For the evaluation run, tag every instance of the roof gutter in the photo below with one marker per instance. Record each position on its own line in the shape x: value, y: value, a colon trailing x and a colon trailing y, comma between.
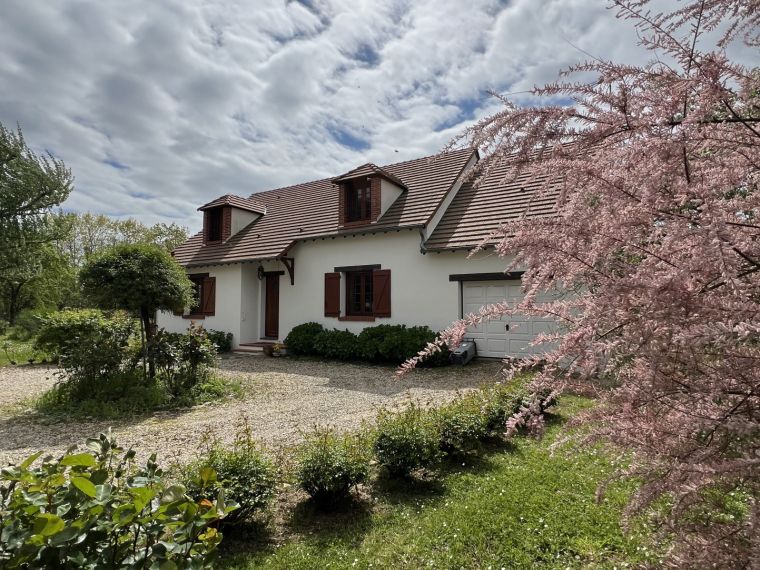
x: 423, y: 249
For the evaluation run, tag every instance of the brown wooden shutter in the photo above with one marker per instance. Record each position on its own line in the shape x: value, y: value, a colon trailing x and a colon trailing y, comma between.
x: 332, y: 294
x: 381, y: 286
x: 208, y: 292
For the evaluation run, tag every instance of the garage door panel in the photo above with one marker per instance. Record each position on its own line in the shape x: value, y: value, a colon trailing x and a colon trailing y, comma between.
x: 491, y: 337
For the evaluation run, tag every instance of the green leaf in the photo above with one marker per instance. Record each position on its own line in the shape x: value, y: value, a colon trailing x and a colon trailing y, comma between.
x: 142, y: 496
x: 79, y: 460
x: 84, y: 485
x: 207, y: 475
x: 46, y: 524
x: 173, y: 493
x: 124, y: 515
x: 29, y: 460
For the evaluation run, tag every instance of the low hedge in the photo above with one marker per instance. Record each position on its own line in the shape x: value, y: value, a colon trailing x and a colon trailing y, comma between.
x: 382, y: 343
x: 301, y: 338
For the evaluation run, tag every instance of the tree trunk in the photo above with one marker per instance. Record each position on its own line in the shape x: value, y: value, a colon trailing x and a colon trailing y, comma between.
x: 13, y: 302
x: 148, y: 328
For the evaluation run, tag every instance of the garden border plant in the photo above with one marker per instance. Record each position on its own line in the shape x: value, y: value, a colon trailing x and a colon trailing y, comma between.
x: 384, y: 344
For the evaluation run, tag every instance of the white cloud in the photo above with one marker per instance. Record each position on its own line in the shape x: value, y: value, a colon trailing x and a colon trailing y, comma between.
x: 161, y: 106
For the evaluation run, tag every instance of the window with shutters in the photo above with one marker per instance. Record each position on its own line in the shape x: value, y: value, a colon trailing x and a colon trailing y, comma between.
x: 365, y: 292
x: 205, y: 295
x: 359, y: 293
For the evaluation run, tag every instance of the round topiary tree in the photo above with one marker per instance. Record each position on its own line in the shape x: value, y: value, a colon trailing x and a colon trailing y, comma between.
x: 142, y: 279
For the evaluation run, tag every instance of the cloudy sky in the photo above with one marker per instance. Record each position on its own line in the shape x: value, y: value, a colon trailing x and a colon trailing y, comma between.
x: 160, y: 106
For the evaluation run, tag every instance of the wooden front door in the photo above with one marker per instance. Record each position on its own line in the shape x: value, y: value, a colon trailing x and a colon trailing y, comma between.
x: 272, y: 306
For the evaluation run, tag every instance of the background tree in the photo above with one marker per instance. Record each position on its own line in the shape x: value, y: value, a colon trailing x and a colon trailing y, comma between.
x: 657, y: 232
x: 142, y: 279
x: 92, y: 233
x: 30, y: 187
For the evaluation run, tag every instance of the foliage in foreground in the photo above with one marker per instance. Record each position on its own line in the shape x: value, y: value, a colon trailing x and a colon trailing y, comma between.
x: 407, y: 440
x: 654, y: 170
x: 530, y: 506
x: 245, y: 473
x: 97, y: 509
x: 329, y: 465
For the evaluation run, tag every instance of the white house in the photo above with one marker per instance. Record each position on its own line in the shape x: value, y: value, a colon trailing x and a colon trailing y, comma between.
x: 375, y: 245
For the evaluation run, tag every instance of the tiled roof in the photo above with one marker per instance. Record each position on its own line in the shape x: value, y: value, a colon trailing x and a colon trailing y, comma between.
x: 311, y: 210
x: 475, y: 212
x: 236, y: 202
x: 368, y: 170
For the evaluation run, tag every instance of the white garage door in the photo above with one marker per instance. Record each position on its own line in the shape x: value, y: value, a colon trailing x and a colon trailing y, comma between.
x: 508, y: 336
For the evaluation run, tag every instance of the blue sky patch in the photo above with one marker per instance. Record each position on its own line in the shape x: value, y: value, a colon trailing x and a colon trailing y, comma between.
x: 345, y: 138
x: 115, y: 164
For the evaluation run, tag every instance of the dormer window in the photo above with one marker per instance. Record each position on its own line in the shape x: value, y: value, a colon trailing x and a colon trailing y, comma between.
x: 365, y: 194
x: 358, y: 200
x: 215, y: 223
x: 226, y: 216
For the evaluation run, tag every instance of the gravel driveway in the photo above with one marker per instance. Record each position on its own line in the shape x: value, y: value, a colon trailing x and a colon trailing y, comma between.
x: 283, y: 397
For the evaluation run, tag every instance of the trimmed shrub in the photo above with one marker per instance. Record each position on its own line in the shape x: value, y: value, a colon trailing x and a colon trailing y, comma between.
x: 245, y: 473
x: 462, y: 424
x: 95, y: 509
x: 222, y: 340
x: 336, y: 344
x: 301, y: 338
x: 406, y: 440
x: 370, y: 339
x: 330, y: 465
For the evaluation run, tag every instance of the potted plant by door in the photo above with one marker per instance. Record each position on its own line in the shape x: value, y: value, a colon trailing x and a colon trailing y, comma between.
x: 278, y: 349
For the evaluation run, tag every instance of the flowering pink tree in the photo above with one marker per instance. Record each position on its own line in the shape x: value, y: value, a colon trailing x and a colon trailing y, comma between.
x: 657, y: 234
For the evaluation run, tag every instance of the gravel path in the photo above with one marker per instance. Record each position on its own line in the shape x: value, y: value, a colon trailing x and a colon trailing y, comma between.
x: 283, y: 397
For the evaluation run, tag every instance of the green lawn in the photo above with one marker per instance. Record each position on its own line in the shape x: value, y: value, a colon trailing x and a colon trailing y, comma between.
x: 518, y: 507
x: 18, y: 352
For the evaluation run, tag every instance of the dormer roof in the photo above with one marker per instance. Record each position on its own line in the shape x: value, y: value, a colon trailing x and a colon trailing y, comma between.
x: 239, y: 202
x: 370, y: 169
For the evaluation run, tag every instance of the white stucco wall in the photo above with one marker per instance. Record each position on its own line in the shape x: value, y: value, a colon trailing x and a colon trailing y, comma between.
x: 229, y: 290
x: 389, y: 192
x: 240, y: 219
x: 421, y: 293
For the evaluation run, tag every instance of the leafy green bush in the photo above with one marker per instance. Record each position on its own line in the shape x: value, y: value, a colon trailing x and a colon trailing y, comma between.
x: 101, y: 376
x: 96, y: 509
x: 93, y: 348
x: 3, y: 326
x: 462, y: 424
x: 122, y: 394
x: 222, y: 340
x: 500, y: 402
x: 301, y: 338
x: 245, y: 473
x: 182, y: 360
x: 330, y: 465
x: 336, y: 344
x: 406, y: 440
x: 382, y: 343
